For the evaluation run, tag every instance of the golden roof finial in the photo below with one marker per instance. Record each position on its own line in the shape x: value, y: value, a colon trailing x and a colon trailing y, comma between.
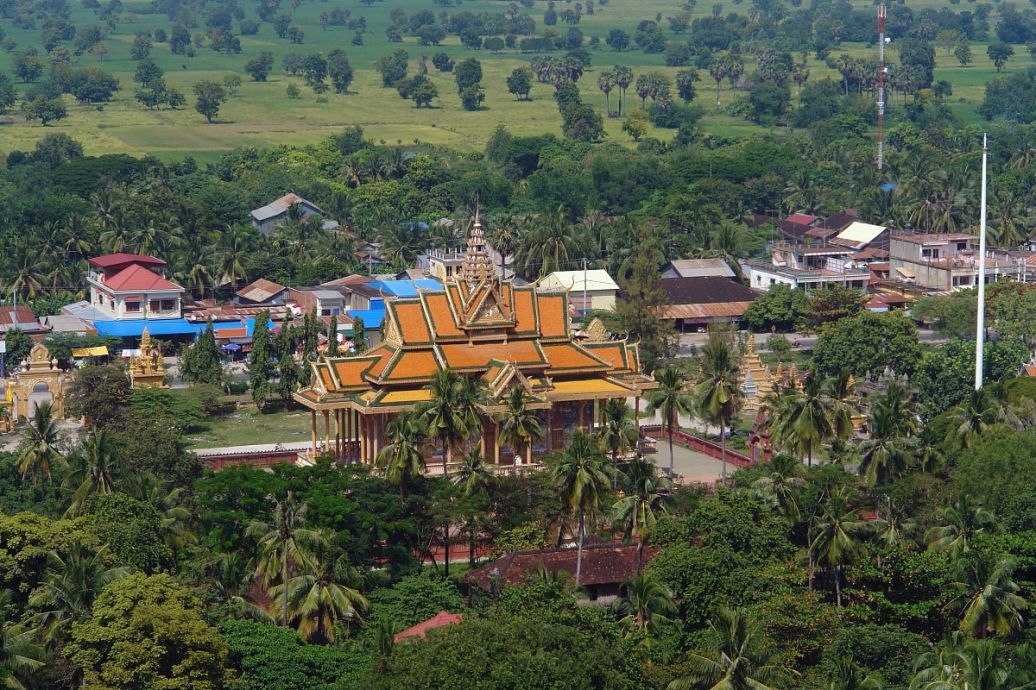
x: 477, y: 266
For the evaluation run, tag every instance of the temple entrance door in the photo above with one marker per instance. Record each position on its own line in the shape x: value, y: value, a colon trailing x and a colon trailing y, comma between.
x: 40, y: 394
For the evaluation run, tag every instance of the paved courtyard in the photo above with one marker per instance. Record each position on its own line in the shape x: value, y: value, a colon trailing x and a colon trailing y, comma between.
x: 692, y: 465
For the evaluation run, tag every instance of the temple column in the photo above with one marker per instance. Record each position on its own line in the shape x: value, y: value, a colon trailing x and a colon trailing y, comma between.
x: 348, y: 435
x: 377, y: 437
x: 362, y: 456
x: 327, y: 430
x: 579, y: 420
x: 483, y: 448
x: 338, y: 435
x: 313, y: 432
x: 636, y: 418
x: 550, y: 428
x: 496, y: 443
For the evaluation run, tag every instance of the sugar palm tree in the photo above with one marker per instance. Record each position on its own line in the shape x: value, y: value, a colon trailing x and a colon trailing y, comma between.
x: 41, y: 451
x: 778, y: 487
x: 644, y: 603
x: 325, y: 592
x: 736, y: 658
x: 403, y: 458
x: 645, y: 496
x: 619, y: 433
x: 284, y: 546
x: 92, y: 470
x: 671, y: 399
x: 991, y: 603
x: 960, y: 523
x: 718, y: 392
x: 71, y: 583
x: 836, y: 542
x: 580, y: 474
x: 520, y: 428
x: 443, y: 413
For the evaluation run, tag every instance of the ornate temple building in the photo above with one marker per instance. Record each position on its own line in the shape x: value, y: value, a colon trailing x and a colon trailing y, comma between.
x: 483, y: 327
x: 146, y: 368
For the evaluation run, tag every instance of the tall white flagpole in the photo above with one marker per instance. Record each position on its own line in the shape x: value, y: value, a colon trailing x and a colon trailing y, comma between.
x: 980, y: 324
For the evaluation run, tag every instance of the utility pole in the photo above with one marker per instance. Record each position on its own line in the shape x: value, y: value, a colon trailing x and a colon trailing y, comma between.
x: 980, y: 325
x: 881, y: 85
x: 585, y: 309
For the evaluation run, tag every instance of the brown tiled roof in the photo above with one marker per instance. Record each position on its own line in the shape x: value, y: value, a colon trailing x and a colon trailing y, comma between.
x: 838, y: 221
x: 439, y: 620
x: 603, y: 563
x: 705, y: 290
x: 260, y: 290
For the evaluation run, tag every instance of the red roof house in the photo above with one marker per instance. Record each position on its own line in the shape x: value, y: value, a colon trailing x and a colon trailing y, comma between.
x: 130, y: 287
x: 439, y: 620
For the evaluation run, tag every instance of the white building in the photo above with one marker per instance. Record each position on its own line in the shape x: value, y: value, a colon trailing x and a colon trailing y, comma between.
x: 598, y: 287
x: 807, y: 268
x: 129, y: 286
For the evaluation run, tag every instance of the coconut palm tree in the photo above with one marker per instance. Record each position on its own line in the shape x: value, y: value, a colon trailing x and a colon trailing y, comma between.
x: 444, y: 414
x: 991, y: 603
x: 961, y: 522
x: 580, y: 473
x: 619, y: 432
x: 836, y: 542
x: 325, y: 592
x: 671, y: 399
x: 475, y: 479
x: 778, y: 487
x: 886, y: 453
x: 284, y: 546
x: 403, y: 458
x: 20, y: 655
x: 41, y: 451
x: 718, y: 392
x: 71, y: 583
x: 645, y: 496
x: 92, y: 470
x: 230, y: 577
x: 505, y: 236
x: 848, y: 675
x: 644, y: 603
x: 973, y: 416
x: 230, y: 254
x: 520, y: 428
x: 957, y: 664
x: 804, y: 421
x: 736, y: 658
x: 551, y: 244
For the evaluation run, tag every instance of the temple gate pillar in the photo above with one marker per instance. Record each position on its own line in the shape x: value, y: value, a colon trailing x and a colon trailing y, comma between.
x: 313, y: 432
x: 327, y: 430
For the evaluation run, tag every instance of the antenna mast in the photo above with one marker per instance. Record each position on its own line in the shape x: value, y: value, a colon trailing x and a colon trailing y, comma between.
x: 881, y: 85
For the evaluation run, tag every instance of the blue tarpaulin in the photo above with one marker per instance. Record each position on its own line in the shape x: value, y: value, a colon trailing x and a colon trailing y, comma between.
x: 372, y: 318
x: 405, y: 288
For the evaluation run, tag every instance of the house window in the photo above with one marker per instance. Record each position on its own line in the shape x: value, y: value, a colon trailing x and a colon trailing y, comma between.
x: 168, y: 304
x: 133, y: 306
x: 961, y: 246
x: 931, y: 253
x: 154, y: 305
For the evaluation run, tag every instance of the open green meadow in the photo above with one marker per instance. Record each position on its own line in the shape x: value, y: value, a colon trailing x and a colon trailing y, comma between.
x: 262, y: 115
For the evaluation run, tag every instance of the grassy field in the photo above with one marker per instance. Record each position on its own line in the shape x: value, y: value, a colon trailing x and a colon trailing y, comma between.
x: 248, y: 427
x: 262, y: 115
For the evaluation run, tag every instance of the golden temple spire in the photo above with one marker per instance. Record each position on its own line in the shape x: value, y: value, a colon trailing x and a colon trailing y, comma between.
x: 477, y: 265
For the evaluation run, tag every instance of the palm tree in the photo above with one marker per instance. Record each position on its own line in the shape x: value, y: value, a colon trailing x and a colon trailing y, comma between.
x: 230, y: 578
x: 284, y: 546
x: 475, y: 479
x: 990, y: 596
x: 886, y: 453
x: 520, y: 428
x: 619, y: 433
x: 835, y: 543
x: 580, y: 473
x: 403, y: 458
x: 71, y: 583
x: 778, y: 487
x: 804, y: 422
x: 839, y: 390
x: 972, y: 665
x: 718, y: 392
x: 644, y: 603
x: 20, y: 656
x: 736, y: 658
x: 961, y: 522
x: 42, y: 440
x: 444, y: 415
x: 670, y: 400
x: 504, y: 236
x: 229, y: 257
x: 646, y: 495
x: 973, y: 416
x: 550, y: 245
x: 92, y: 470
x: 848, y: 675
x: 324, y: 593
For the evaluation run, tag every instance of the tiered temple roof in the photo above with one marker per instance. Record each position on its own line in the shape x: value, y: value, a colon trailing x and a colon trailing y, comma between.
x: 479, y: 326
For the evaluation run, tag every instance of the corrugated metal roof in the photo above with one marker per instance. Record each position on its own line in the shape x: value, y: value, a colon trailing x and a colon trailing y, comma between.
x: 279, y: 206
x: 860, y: 233
x: 260, y: 290
x: 705, y: 311
x: 694, y: 268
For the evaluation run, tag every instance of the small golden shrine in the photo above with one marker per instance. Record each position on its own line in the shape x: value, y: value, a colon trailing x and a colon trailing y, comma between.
x: 757, y: 380
x: 147, y: 369
x: 38, y: 380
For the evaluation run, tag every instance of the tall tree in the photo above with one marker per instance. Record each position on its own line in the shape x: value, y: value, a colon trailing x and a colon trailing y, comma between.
x: 639, y: 312
x: 284, y: 546
x: 644, y: 603
x: 718, y: 391
x: 580, y: 474
x: 41, y: 451
x: 520, y: 427
x: 836, y: 543
x: 443, y: 413
x: 619, y: 431
x: 93, y: 470
x: 991, y: 603
x: 403, y: 458
x: 671, y: 399
x: 260, y: 361
x: 645, y: 497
